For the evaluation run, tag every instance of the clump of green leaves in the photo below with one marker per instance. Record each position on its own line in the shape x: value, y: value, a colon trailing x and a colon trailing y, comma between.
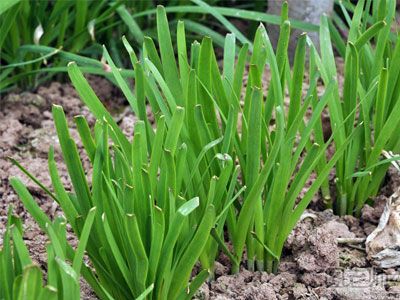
x: 34, y: 32
x: 30, y: 28
x: 20, y: 277
x: 371, y: 77
x: 276, y: 150
x: 146, y: 236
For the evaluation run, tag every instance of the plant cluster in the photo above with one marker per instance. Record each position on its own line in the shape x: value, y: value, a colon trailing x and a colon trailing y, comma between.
x: 29, y: 27
x: 369, y: 99
x: 40, y: 36
x: 229, y: 155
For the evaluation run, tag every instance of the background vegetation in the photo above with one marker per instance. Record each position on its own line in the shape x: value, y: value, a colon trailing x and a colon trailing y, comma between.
x: 40, y: 37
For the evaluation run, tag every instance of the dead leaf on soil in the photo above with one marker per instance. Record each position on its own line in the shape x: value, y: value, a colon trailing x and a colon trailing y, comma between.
x: 383, y: 244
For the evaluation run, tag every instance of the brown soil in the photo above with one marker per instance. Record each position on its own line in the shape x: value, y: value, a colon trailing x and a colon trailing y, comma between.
x: 314, y: 265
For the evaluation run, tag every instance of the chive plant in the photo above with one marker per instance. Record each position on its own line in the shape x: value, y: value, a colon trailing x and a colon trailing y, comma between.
x: 23, y: 279
x: 371, y: 77
x: 276, y: 150
x: 146, y: 235
x: 202, y: 171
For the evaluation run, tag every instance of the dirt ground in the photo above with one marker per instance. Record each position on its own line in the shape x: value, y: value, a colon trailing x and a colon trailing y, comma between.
x: 314, y: 264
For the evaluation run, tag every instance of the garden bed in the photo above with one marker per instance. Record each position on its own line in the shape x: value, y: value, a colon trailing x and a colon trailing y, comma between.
x: 314, y: 265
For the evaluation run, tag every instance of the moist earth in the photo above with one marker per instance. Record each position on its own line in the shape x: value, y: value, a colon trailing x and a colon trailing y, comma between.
x: 314, y: 264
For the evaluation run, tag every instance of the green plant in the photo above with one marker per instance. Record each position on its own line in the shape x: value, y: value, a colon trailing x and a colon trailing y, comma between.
x: 371, y: 76
x: 270, y: 156
x: 68, y: 24
x: 225, y: 156
x: 40, y: 37
x: 147, y: 236
x: 21, y: 278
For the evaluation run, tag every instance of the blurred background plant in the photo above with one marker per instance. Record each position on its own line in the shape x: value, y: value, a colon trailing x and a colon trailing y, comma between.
x: 70, y: 25
x: 38, y: 38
